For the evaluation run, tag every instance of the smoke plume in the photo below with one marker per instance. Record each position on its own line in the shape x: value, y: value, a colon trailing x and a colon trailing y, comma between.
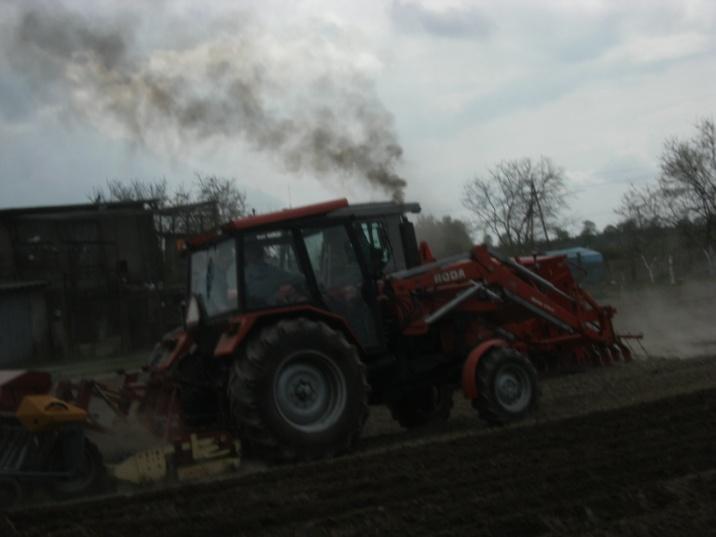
x: 228, y: 87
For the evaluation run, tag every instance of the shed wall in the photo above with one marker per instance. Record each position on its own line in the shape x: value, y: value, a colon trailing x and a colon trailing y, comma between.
x: 16, y: 340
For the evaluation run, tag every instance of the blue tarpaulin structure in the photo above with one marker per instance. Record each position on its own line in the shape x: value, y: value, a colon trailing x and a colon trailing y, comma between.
x: 586, y: 265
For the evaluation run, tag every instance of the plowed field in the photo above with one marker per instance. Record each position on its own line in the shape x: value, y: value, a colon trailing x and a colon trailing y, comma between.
x: 624, y: 450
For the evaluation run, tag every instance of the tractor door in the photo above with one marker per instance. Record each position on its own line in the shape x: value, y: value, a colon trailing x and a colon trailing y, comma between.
x: 377, y: 247
x: 343, y: 283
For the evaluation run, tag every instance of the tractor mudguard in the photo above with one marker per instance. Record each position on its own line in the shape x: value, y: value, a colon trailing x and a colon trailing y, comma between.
x: 174, y: 346
x: 469, y: 369
x: 240, y: 327
x: 236, y: 333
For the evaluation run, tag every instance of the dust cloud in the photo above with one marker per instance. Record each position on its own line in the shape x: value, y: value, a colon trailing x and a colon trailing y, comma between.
x: 677, y: 322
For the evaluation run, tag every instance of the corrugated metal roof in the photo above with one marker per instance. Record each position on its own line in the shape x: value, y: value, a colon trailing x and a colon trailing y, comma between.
x: 576, y: 250
x: 7, y: 287
x: 89, y: 208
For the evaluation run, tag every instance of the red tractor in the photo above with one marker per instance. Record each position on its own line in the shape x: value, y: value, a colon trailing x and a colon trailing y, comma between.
x: 298, y: 320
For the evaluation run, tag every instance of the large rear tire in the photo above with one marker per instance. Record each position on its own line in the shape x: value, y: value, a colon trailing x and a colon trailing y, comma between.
x: 424, y: 407
x: 506, y: 386
x: 10, y: 493
x: 88, y: 479
x: 298, y: 391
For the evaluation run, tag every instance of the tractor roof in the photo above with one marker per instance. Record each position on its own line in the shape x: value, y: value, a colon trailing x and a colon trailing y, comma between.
x: 285, y: 215
x: 333, y: 208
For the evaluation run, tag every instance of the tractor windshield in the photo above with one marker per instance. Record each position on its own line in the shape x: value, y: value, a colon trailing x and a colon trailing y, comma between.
x: 213, y: 277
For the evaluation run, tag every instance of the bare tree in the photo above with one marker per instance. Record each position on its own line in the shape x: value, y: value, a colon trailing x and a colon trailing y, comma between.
x: 686, y: 188
x: 519, y: 201
x: 182, y: 196
x: 134, y: 190
x: 646, y: 207
x: 229, y: 199
x: 688, y: 177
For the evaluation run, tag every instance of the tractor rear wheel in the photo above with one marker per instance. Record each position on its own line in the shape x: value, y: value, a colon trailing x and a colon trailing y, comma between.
x: 424, y: 407
x: 10, y: 493
x: 88, y: 479
x: 298, y: 391
x: 507, y: 387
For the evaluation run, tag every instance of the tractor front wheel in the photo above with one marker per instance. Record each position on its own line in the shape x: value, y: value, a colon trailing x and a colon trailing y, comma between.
x: 506, y: 386
x: 424, y: 407
x: 298, y: 392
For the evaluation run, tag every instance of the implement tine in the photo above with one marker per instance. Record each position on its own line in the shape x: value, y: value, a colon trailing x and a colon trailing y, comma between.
x: 625, y: 350
x: 643, y: 348
x: 13, y: 449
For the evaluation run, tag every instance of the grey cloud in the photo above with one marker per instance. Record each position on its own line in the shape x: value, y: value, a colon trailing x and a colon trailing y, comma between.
x: 529, y: 93
x: 586, y: 44
x: 461, y: 22
x: 578, y: 37
x: 15, y: 102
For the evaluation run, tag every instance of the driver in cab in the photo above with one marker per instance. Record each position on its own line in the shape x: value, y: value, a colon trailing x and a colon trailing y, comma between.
x: 266, y: 283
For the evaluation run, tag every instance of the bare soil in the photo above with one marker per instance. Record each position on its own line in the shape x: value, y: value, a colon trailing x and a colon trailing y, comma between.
x: 624, y: 450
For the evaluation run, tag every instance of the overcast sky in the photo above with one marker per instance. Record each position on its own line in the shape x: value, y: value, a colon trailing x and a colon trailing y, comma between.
x: 596, y: 86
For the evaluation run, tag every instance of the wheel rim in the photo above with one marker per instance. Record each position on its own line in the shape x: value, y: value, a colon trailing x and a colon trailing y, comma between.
x: 513, y: 388
x: 309, y: 391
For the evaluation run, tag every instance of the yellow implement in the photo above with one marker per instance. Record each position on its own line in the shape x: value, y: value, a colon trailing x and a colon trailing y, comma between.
x: 146, y: 466
x: 42, y: 412
x: 195, y: 458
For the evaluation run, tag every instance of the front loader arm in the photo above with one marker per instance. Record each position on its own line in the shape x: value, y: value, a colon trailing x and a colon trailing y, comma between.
x: 483, y: 283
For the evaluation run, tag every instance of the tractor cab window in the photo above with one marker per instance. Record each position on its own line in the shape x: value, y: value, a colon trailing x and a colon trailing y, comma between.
x: 213, y: 277
x: 340, y: 279
x: 377, y: 249
x: 272, y: 274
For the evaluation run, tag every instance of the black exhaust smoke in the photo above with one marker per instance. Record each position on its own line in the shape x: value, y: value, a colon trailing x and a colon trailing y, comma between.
x: 226, y: 87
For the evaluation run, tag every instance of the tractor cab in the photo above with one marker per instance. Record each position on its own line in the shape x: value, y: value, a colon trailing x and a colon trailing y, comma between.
x: 327, y: 257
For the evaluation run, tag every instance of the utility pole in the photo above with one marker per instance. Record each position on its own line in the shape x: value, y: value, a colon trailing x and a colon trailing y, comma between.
x: 541, y: 215
x: 530, y: 217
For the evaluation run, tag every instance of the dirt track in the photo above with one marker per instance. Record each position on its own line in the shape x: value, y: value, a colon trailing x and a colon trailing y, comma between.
x: 626, y: 450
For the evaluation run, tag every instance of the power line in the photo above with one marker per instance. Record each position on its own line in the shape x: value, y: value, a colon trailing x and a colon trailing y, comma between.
x: 618, y: 171
x: 631, y: 179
